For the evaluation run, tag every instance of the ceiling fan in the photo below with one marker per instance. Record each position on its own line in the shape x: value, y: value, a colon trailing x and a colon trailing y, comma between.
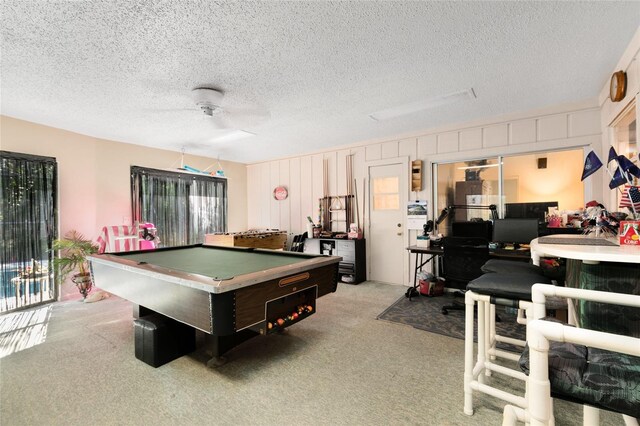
x: 224, y: 116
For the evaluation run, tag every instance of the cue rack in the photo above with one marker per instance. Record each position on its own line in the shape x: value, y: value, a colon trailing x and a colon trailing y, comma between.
x: 337, y: 211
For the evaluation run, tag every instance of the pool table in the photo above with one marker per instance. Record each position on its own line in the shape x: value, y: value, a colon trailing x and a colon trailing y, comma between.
x: 229, y: 293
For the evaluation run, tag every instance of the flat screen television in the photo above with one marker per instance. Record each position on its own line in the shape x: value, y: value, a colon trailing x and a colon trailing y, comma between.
x: 528, y: 210
x: 515, y: 231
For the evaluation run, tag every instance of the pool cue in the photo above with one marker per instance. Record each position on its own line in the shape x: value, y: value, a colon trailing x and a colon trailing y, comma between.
x: 357, y: 208
x: 349, y: 175
x: 347, y: 201
x: 364, y: 197
x: 325, y: 177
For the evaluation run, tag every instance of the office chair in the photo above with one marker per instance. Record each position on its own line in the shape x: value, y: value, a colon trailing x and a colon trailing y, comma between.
x: 462, y: 259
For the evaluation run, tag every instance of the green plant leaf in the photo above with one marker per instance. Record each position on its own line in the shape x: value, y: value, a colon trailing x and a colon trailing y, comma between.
x: 71, y: 254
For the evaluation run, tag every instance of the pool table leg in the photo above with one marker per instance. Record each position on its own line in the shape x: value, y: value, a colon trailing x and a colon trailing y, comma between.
x: 216, y: 346
x: 140, y: 311
x: 216, y: 361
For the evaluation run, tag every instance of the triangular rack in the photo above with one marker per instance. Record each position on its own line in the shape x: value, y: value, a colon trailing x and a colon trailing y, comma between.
x: 336, y: 209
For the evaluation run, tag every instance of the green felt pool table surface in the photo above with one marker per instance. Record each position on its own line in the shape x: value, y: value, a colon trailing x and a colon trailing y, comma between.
x: 215, y: 262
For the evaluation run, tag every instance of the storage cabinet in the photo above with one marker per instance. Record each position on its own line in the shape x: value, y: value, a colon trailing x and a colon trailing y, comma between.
x: 353, y: 266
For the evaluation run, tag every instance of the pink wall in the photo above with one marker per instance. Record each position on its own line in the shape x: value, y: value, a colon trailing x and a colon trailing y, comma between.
x: 93, y: 174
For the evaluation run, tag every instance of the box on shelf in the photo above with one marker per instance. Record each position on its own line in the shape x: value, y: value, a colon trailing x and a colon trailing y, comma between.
x: 630, y: 232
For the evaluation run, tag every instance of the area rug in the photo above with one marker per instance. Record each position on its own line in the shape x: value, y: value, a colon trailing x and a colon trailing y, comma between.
x: 424, y: 313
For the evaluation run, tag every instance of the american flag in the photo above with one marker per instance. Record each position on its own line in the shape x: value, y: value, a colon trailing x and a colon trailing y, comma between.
x: 630, y: 197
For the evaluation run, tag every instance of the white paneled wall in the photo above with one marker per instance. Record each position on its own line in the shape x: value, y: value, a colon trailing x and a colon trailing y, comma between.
x: 295, y: 195
x: 303, y: 176
x: 470, y: 139
x: 522, y: 131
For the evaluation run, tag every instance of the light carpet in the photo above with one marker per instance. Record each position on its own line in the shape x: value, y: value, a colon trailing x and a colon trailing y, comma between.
x: 340, y: 366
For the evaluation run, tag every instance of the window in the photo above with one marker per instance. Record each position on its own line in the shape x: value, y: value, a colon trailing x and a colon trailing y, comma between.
x: 28, y: 187
x: 547, y: 179
x: 386, y: 193
x: 526, y: 182
x: 625, y: 142
x: 467, y: 183
x: 183, y: 206
x: 625, y: 133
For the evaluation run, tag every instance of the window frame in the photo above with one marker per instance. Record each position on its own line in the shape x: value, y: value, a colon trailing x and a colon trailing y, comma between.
x: 500, y: 158
x: 172, y: 176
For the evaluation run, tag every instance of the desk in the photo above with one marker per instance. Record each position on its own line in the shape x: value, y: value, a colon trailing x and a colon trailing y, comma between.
x: 435, y: 252
x: 229, y: 293
x: 584, y: 270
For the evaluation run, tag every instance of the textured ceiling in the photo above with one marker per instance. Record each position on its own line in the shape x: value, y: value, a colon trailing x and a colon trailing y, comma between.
x: 124, y: 70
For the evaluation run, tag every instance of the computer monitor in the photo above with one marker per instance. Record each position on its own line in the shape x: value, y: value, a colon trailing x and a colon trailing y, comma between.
x: 474, y: 229
x: 528, y: 210
x: 515, y: 231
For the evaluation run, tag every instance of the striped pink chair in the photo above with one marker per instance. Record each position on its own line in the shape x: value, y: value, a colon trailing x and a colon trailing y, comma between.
x: 118, y: 238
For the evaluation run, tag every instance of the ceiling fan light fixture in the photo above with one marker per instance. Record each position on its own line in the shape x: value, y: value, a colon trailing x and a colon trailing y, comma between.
x: 210, y: 110
x: 209, y: 100
x: 413, y: 107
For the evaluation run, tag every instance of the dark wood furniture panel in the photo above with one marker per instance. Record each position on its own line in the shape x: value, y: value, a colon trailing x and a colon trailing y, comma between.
x: 251, y: 301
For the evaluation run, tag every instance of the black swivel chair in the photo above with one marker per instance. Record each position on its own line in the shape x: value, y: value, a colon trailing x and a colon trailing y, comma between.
x: 462, y: 262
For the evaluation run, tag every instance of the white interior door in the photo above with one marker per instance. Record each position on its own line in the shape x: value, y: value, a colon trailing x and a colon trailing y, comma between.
x: 387, y: 234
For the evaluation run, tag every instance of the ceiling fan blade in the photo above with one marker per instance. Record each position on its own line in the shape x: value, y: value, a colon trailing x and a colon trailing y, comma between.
x: 243, y: 117
x: 248, y: 113
x: 221, y: 120
x: 171, y: 110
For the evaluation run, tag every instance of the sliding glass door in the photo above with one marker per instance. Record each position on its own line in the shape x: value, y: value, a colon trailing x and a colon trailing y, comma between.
x: 28, y: 227
x: 182, y: 206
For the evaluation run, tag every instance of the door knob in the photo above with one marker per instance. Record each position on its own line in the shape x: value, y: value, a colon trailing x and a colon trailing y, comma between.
x: 399, y: 225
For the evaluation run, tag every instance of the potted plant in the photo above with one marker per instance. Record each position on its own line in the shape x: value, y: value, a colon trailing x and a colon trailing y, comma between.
x: 72, y: 252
